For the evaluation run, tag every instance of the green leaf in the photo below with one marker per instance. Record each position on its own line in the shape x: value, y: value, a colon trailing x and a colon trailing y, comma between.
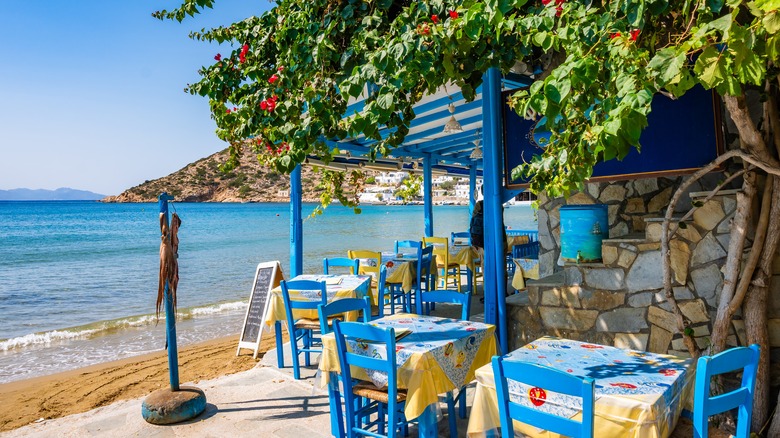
x: 385, y: 101
x: 747, y: 65
x: 768, y: 5
x: 715, y: 5
x: 771, y: 22
x: 667, y: 64
x: 710, y: 67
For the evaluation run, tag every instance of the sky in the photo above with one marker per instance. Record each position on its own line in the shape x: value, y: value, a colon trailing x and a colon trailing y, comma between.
x: 92, y: 91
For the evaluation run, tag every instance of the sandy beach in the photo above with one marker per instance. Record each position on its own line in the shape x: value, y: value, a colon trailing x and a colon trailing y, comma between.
x: 57, y: 395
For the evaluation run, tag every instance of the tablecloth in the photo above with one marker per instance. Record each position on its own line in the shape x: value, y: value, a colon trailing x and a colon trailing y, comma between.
x: 349, y: 286
x: 524, y: 269
x: 441, y: 354
x: 638, y: 394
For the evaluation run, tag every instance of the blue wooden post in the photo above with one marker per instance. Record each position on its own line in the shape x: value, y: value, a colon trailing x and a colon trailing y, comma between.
x: 428, y: 194
x: 296, y: 223
x: 170, y: 316
x: 472, y: 186
x: 492, y: 172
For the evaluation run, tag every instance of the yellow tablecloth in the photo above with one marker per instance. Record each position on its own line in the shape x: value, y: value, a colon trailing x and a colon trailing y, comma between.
x: 524, y: 268
x: 402, y: 272
x: 464, y: 256
x: 440, y: 355
x: 350, y: 286
x: 638, y: 394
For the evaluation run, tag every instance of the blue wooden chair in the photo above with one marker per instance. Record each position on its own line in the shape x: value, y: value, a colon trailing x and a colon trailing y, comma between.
x: 336, y: 308
x: 424, y: 277
x: 302, y: 329
x: 448, y: 296
x: 381, y: 290
x: 342, y: 262
x: 549, y: 379
x: 362, y: 399
x: 745, y: 358
x: 400, y: 246
x: 460, y: 238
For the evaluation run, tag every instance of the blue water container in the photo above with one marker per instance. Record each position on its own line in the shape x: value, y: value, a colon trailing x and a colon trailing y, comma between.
x: 583, y: 227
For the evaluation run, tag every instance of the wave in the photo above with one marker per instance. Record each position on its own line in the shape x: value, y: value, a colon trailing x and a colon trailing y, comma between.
x: 102, y: 328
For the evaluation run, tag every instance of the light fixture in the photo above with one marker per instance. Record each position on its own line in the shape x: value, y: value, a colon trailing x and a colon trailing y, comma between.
x: 382, y: 167
x: 452, y: 125
x: 476, y: 154
x: 330, y: 166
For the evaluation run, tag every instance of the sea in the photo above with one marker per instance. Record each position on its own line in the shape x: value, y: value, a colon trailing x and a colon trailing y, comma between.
x: 78, y: 279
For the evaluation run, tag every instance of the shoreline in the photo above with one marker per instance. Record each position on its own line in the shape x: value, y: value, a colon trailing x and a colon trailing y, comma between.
x: 83, y: 389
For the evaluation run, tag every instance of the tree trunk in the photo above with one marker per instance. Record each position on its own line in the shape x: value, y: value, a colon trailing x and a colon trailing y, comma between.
x: 754, y: 309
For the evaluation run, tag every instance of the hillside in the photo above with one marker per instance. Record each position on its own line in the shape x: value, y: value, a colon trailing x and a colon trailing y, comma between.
x: 61, y: 194
x: 202, y: 181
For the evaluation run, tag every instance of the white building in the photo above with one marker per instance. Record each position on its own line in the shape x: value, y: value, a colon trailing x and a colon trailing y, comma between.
x: 390, y: 178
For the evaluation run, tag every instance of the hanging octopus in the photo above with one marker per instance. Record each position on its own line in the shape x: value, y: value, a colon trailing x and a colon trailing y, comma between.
x: 169, y: 266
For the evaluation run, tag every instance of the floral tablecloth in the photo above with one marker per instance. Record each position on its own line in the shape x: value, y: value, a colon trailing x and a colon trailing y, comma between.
x: 344, y: 286
x: 524, y: 269
x: 439, y: 355
x: 638, y: 394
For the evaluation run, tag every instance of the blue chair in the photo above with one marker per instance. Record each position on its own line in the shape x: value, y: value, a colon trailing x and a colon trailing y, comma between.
x: 448, y: 296
x: 335, y: 308
x: 460, y: 238
x: 343, y: 262
x: 381, y: 290
x: 424, y: 277
x: 302, y: 329
x: 400, y: 244
x: 745, y: 358
x: 547, y: 378
x: 362, y: 399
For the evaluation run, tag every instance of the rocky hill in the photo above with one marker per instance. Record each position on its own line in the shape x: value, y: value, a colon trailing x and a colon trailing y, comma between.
x: 202, y: 181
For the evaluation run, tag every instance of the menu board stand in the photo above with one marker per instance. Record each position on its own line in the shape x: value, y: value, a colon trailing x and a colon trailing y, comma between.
x: 267, y: 277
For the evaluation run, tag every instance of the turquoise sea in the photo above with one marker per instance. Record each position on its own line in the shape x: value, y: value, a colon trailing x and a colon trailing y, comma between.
x: 78, y: 280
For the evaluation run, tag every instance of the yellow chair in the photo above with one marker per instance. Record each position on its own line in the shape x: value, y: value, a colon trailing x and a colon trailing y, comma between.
x: 369, y: 264
x: 441, y: 250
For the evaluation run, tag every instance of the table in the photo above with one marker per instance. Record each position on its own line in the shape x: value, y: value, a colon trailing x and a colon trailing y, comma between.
x: 439, y: 355
x: 525, y: 268
x: 638, y: 394
x: 348, y: 286
x: 400, y: 270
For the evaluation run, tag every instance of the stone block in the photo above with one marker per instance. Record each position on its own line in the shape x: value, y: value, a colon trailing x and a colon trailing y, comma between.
x: 642, y: 299
x: 701, y: 330
x: 542, y: 219
x: 612, y: 213
x: 649, y: 246
x: 608, y: 278
x: 601, y: 299
x: 609, y: 254
x: 620, y: 229
x: 638, y: 223
x: 626, y: 258
x: 572, y: 276
x: 645, y: 272
x: 624, y: 320
x: 707, y: 281
x: 551, y: 297
x: 653, y: 231
x: 678, y: 344
x: 546, y: 240
x: 682, y: 293
x: 593, y: 189
x: 555, y: 217
x: 556, y: 233
x: 660, y: 201
x: 524, y: 326
x: 707, y: 250
x: 547, y: 263
x: 580, y: 198
x: 729, y: 204
x: 724, y: 239
x: 679, y: 258
x: 685, y: 354
x: 695, y: 311
x: 661, y: 318
x: 635, y: 205
x: 568, y: 319
x: 645, y: 185
x: 702, y: 343
x: 631, y: 341
x: 612, y: 193
x: 724, y: 227
x: 691, y: 234
x: 709, y: 215
x: 659, y: 340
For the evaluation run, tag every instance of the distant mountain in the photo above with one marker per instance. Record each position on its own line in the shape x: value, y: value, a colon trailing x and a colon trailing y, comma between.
x: 61, y: 194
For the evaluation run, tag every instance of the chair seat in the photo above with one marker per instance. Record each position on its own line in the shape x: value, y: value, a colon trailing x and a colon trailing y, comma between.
x: 311, y: 324
x: 368, y: 390
x: 449, y: 265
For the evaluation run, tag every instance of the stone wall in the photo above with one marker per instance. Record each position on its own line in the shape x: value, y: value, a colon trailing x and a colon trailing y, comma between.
x: 620, y: 301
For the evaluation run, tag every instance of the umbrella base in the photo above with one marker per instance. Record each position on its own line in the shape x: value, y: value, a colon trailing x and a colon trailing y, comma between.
x: 165, y: 406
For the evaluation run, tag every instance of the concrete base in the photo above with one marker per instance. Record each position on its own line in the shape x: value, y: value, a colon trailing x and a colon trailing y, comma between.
x: 167, y: 407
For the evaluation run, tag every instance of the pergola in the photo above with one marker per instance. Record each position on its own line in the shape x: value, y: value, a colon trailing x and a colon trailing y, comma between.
x: 436, y: 150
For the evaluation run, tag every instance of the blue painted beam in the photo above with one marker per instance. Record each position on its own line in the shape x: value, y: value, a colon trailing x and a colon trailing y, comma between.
x: 428, y: 195
x: 452, y: 139
x: 399, y: 152
x: 495, y: 263
x: 508, y: 194
x: 472, y: 188
x: 170, y: 309
x: 296, y: 223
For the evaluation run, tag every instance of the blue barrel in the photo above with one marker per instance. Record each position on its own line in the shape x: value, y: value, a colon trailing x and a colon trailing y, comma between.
x: 583, y: 227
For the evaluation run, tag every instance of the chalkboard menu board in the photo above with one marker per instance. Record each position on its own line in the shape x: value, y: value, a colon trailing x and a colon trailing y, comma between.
x: 267, y: 277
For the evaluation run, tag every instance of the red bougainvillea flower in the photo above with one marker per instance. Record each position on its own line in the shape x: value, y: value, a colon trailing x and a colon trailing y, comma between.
x: 274, y: 98
x: 435, y: 18
x: 453, y: 14
x: 227, y: 110
x: 634, y: 34
x: 546, y: 2
x: 273, y: 79
x: 614, y: 35
x: 244, y: 51
x: 558, y: 11
x: 271, y: 105
x: 559, y: 2
x: 264, y: 105
x: 280, y: 68
x: 235, y: 109
x: 218, y: 57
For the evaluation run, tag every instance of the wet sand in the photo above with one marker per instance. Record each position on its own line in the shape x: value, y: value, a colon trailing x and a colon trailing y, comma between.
x: 57, y: 395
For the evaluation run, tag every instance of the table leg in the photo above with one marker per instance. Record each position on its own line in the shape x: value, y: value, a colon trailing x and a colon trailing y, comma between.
x: 336, y: 415
x: 427, y: 424
x: 279, y: 343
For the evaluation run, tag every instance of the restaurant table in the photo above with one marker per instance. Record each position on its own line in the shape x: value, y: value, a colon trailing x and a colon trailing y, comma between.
x: 525, y: 268
x: 438, y: 356
x: 638, y: 394
x: 401, y: 269
x: 338, y: 286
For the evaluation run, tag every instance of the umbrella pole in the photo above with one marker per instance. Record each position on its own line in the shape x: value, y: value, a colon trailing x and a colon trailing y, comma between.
x: 170, y: 315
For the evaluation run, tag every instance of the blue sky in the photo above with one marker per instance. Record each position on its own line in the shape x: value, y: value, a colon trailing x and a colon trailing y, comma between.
x: 91, y: 91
